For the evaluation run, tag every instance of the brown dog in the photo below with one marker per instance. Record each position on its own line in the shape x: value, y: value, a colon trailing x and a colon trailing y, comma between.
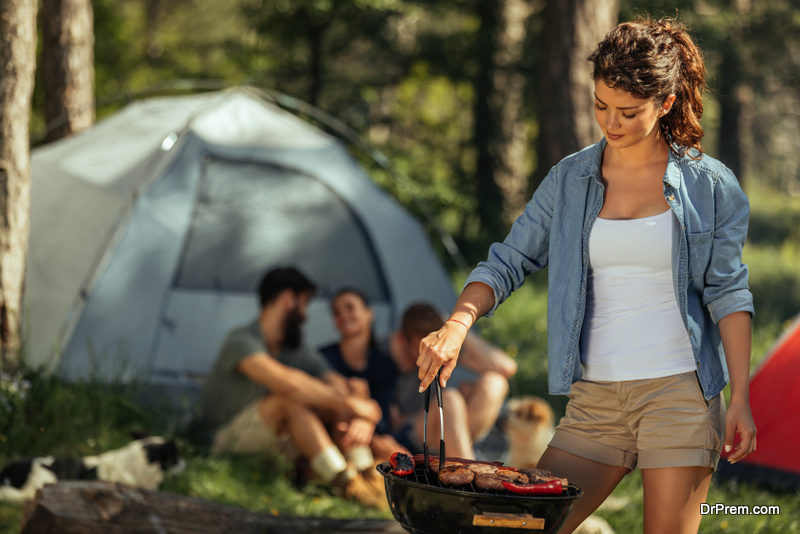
x: 529, y: 428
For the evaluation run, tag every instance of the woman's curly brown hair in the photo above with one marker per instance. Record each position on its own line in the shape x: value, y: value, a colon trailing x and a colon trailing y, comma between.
x: 653, y: 59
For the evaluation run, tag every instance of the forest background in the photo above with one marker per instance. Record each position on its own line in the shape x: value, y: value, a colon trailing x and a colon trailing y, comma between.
x: 457, y: 108
x: 471, y: 101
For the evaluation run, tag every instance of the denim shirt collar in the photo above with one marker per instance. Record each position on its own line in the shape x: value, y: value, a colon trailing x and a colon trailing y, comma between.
x: 593, y: 161
x: 673, y: 175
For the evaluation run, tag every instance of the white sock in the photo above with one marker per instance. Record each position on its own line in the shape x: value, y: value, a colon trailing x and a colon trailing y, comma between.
x: 360, y: 456
x: 328, y: 463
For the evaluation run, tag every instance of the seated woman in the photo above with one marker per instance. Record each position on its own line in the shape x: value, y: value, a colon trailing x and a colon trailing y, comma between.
x: 368, y: 368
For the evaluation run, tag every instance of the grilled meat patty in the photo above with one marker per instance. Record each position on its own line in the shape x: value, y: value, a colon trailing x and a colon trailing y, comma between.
x: 482, y: 468
x: 456, y: 475
x: 537, y: 476
x: 447, y: 463
x: 494, y: 481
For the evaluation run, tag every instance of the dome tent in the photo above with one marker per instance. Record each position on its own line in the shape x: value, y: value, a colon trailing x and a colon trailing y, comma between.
x: 149, y: 233
x: 775, y: 403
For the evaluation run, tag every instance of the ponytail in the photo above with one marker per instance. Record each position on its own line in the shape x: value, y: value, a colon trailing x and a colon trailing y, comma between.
x: 681, y: 126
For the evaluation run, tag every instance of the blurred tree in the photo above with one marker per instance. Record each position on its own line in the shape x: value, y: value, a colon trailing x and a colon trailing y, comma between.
x: 424, y: 121
x: 18, y: 57
x: 767, y: 93
x: 500, y: 127
x: 436, y: 85
x: 67, y: 66
x: 325, y: 51
x: 735, y: 93
x: 301, y: 27
x: 572, y: 29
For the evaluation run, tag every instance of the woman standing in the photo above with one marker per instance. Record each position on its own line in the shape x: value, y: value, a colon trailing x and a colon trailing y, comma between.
x: 649, y: 309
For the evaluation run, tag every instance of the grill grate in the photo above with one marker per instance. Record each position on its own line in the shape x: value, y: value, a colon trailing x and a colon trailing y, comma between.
x: 429, y: 478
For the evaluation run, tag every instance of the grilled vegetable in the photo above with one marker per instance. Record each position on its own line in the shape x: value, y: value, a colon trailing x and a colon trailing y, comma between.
x: 402, y: 464
x: 544, y: 488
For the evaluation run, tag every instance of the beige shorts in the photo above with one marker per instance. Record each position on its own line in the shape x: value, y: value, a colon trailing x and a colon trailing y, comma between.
x: 656, y: 422
x: 247, y: 434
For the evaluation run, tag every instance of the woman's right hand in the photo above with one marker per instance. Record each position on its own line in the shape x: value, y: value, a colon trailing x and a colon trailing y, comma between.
x: 440, y: 350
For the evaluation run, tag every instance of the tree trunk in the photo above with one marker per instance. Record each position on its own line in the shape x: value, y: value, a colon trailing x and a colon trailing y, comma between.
x: 67, y: 66
x: 489, y: 197
x: 735, y: 100
x: 572, y: 29
x: 500, y: 129
x: 511, y: 144
x: 735, y: 125
x: 317, y: 32
x: 153, y: 10
x: 18, y: 58
x: 316, y: 35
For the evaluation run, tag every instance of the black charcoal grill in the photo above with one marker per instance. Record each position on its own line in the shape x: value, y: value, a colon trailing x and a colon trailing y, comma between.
x: 423, y: 505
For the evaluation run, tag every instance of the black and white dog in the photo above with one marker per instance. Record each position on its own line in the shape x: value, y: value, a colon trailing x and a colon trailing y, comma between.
x: 143, y: 463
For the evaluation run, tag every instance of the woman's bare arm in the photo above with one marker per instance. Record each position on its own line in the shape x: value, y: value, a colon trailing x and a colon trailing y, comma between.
x: 735, y: 332
x: 440, y: 349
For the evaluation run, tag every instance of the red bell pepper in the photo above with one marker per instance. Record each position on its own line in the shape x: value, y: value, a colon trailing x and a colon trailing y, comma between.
x: 544, y: 488
x: 402, y: 464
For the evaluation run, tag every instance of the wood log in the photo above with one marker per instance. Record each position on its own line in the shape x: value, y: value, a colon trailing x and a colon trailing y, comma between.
x: 88, y: 507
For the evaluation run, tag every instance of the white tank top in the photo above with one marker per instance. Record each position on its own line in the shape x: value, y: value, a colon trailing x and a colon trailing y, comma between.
x: 633, y: 328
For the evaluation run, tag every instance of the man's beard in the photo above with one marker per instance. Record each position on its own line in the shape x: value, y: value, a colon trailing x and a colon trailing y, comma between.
x: 293, y: 334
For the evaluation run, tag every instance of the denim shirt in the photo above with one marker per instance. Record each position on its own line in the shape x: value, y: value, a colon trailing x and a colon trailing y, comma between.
x: 709, y: 278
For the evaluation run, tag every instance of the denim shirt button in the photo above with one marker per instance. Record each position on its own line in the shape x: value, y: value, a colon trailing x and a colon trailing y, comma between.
x: 672, y: 198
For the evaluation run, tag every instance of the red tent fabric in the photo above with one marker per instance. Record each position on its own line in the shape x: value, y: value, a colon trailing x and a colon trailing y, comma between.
x: 775, y: 402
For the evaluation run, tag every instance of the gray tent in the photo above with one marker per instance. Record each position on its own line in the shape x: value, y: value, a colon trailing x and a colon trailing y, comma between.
x: 150, y: 231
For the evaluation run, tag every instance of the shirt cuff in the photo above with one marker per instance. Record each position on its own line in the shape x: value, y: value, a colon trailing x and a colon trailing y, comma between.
x: 735, y: 301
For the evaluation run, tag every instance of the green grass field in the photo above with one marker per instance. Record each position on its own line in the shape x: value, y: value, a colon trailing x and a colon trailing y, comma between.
x: 45, y: 416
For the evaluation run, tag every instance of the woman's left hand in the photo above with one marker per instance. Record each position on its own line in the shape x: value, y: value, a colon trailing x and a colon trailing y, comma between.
x: 739, y: 421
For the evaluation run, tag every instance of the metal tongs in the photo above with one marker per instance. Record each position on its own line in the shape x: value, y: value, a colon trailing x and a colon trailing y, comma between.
x: 441, y: 423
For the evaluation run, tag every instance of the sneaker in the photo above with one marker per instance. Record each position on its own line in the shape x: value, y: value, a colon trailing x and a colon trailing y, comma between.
x: 361, y: 490
x: 375, y: 479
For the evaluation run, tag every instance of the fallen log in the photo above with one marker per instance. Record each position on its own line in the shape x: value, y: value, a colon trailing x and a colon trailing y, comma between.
x: 89, y: 507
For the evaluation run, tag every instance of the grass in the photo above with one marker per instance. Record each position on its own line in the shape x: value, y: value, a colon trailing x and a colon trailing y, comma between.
x: 41, y: 415
x: 628, y: 518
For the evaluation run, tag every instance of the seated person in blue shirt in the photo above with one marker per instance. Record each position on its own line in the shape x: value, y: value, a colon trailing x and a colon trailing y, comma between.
x: 368, y: 368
